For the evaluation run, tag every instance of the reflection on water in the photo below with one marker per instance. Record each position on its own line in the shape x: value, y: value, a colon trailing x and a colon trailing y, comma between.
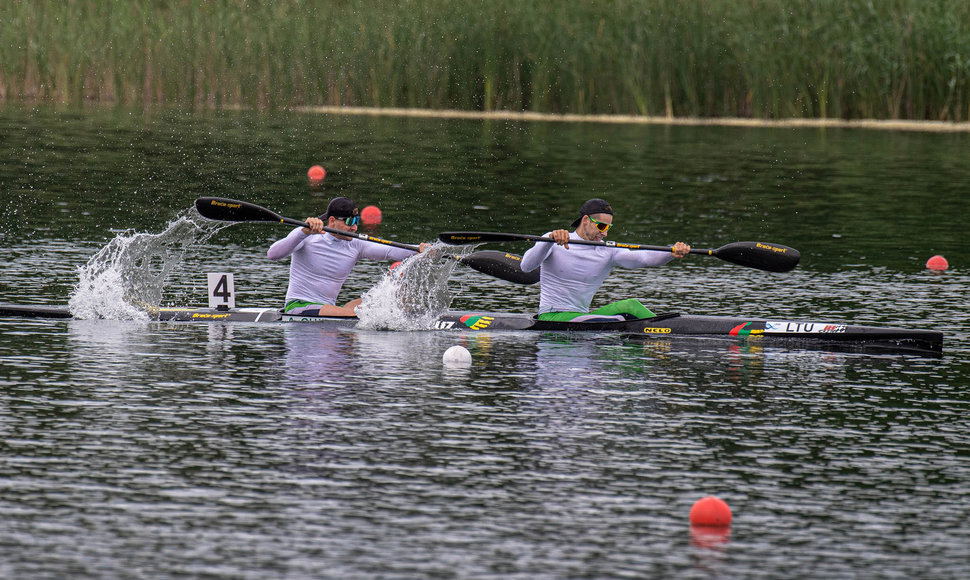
x: 363, y: 449
x: 315, y: 355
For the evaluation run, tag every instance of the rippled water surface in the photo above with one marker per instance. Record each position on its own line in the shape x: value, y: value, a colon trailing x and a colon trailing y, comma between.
x: 134, y: 449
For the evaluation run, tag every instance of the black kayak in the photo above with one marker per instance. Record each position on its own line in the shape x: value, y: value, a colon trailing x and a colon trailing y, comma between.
x: 768, y: 331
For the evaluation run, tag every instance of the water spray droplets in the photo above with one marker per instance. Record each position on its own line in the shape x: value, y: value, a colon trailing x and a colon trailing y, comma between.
x: 411, y: 296
x: 125, y: 279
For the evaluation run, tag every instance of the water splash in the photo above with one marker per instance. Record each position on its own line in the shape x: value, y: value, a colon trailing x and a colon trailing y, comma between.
x: 125, y: 279
x: 410, y: 297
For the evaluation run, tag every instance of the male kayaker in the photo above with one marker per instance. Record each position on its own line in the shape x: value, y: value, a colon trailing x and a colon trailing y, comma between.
x: 571, y: 276
x: 321, y: 261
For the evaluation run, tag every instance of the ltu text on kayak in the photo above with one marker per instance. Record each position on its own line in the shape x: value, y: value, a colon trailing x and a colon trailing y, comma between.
x: 804, y: 327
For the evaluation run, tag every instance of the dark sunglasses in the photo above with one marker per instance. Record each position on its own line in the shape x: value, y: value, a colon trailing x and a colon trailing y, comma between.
x: 601, y: 226
x: 351, y: 221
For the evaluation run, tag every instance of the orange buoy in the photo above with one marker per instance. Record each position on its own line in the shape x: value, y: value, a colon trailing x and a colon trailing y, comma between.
x: 316, y: 174
x: 710, y: 511
x: 937, y: 262
x: 370, y: 215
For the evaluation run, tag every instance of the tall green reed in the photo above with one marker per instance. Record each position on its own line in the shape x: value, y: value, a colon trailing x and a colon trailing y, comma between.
x: 893, y: 59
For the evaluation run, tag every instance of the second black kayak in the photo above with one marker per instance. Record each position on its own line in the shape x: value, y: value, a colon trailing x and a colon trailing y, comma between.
x: 767, y: 330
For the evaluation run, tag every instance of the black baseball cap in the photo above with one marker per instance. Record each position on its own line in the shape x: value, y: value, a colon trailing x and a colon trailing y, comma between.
x: 340, y: 207
x: 592, y: 206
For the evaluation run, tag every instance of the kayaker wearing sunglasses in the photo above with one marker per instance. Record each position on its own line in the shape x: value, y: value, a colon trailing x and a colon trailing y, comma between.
x: 321, y: 261
x: 571, y: 276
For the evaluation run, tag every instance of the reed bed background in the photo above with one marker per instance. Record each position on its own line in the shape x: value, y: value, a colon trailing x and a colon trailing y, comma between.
x: 768, y: 59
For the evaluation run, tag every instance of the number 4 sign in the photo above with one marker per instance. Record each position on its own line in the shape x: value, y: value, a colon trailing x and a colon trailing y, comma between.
x: 222, y: 290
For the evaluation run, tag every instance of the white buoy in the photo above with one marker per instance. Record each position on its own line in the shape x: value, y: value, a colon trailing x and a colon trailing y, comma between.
x: 457, y: 355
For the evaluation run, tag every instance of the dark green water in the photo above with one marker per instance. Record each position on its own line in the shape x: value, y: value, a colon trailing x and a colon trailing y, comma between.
x: 133, y: 449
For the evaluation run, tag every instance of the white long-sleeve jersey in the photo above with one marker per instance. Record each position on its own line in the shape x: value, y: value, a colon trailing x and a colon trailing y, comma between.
x: 320, y: 263
x: 569, y: 278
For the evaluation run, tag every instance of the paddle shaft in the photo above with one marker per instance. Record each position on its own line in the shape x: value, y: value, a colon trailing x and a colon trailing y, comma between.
x: 760, y: 255
x: 367, y: 238
x: 357, y: 235
x: 482, y: 237
x: 234, y: 210
x: 336, y: 232
x: 716, y: 252
x: 499, y: 265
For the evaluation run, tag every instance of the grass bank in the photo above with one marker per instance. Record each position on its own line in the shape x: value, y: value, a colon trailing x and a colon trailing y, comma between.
x: 767, y: 59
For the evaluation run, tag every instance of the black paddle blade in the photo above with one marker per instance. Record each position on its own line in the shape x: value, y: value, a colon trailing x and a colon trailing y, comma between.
x: 760, y: 255
x: 233, y: 210
x: 501, y: 265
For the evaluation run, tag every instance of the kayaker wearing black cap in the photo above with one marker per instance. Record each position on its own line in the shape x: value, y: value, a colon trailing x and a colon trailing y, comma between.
x: 321, y: 261
x: 571, y: 276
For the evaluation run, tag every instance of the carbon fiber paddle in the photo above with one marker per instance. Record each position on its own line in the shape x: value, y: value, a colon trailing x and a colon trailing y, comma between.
x: 498, y: 264
x: 760, y: 255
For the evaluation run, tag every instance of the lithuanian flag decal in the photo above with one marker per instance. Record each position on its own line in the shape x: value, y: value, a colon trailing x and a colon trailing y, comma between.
x: 476, y: 321
x: 745, y: 330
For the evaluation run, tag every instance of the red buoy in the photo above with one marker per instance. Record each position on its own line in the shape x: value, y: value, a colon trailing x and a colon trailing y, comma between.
x: 937, y: 262
x: 370, y: 215
x: 710, y: 511
x: 316, y: 174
